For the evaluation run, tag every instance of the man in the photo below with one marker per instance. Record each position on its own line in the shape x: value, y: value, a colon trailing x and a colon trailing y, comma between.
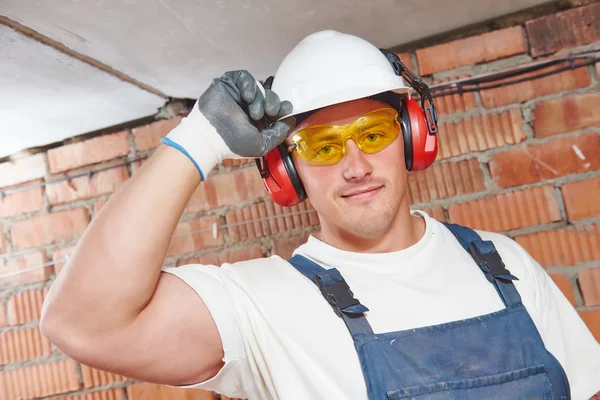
x: 425, y: 318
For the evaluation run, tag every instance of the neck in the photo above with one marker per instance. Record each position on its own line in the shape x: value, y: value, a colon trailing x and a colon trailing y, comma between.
x: 405, y: 231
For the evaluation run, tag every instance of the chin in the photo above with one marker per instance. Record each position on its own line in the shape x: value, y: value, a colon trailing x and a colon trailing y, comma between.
x: 370, y: 225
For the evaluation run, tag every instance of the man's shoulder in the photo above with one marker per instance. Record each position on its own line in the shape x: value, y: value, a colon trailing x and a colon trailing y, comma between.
x: 235, y: 265
x: 256, y: 274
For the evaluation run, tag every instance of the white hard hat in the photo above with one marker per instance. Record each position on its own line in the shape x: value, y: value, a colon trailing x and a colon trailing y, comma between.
x: 330, y: 67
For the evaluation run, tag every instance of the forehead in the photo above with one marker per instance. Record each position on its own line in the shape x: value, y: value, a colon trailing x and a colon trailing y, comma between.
x: 342, y: 113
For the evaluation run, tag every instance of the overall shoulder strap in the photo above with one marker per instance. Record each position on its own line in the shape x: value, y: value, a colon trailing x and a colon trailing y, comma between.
x: 336, y: 291
x: 487, y: 258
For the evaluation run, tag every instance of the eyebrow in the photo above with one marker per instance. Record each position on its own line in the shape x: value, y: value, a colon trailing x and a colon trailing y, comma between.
x: 328, y: 137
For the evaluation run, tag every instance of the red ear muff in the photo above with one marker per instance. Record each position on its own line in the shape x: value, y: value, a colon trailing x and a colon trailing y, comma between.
x: 420, y: 145
x: 280, y: 177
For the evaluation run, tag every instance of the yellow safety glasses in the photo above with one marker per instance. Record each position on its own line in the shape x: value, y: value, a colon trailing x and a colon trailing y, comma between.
x: 326, y: 144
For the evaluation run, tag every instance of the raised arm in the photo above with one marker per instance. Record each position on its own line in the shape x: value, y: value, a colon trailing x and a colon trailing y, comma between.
x: 111, y: 307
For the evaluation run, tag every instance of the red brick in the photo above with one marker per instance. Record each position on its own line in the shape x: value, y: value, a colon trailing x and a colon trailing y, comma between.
x: 445, y: 180
x: 148, y: 391
x: 23, y: 170
x: 479, y: 133
x: 227, y: 188
x: 249, y: 222
x: 148, y: 136
x: 476, y: 49
x: 236, y: 162
x: 3, y: 245
x: 436, y: 212
x: 3, y: 318
x: 566, y: 114
x: 110, y: 394
x: 95, y: 377
x: 25, y: 201
x: 545, y: 161
x: 565, y: 286
x: 563, y: 247
x: 589, y: 282
x: 22, y: 345
x: 284, y: 247
x: 531, y: 89
x: 26, y: 306
x: 91, y: 151
x: 507, y: 211
x: 563, y: 30
x: 581, y: 199
x: 183, y: 242
x: 39, y: 380
x: 59, y: 257
x: 226, y: 256
x: 592, y: 320
x: 46, y: 229
x: 22, y: 278
x: 450, y: 104
x: 86, y: 187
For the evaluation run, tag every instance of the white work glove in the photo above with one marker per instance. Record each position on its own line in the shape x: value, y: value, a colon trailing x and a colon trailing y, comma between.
x: 231, y: 119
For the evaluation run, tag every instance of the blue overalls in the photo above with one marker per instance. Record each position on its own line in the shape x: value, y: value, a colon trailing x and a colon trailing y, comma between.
x: 495, y: 356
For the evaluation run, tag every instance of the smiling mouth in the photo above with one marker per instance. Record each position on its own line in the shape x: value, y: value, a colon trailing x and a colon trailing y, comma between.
x: 363, y: 194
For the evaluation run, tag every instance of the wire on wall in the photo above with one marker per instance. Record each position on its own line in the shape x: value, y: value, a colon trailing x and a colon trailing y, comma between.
x: 485, y: 81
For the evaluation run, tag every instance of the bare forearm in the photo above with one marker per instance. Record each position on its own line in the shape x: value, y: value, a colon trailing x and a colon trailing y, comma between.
x: 116, y: 265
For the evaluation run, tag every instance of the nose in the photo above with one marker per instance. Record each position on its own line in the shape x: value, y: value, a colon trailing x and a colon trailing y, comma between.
x: 356, y: 165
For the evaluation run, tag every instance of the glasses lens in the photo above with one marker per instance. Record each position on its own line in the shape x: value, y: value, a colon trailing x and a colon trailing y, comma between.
x: 378, y: 137
x: 326, y: 144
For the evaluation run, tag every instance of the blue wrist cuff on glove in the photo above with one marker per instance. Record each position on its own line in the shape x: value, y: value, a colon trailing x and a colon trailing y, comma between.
x: 171, y: 143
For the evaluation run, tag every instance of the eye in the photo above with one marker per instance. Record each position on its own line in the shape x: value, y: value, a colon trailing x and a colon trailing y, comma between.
x: 325, y: 150
x: 373, y: 137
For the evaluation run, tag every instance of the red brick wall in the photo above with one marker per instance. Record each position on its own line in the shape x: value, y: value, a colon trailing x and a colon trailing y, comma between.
x: 523, y: 160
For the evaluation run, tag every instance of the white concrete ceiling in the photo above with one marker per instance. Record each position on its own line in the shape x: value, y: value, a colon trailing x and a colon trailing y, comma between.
x: 177, y: 47
x: 48, y: 96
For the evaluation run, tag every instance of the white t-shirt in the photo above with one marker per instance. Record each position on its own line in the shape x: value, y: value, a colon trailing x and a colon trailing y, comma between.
x: 282, y: 340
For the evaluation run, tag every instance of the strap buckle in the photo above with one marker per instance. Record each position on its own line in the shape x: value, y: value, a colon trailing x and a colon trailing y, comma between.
x: 337, y: 294
x: 491, y: 264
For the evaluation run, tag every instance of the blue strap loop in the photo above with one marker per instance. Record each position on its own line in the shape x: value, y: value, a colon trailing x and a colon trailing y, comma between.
x: 336, y: 291
x: 486, y: 256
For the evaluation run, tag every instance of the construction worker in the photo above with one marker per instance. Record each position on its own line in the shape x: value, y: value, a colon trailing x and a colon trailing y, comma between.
x: 382, y: 303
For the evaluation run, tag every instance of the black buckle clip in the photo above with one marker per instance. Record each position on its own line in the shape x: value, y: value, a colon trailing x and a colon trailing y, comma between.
x: 262, y: 167
x: 491, y: 264
x: 338, y: 295
x: 431, y: 116
x: 416, y: 82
